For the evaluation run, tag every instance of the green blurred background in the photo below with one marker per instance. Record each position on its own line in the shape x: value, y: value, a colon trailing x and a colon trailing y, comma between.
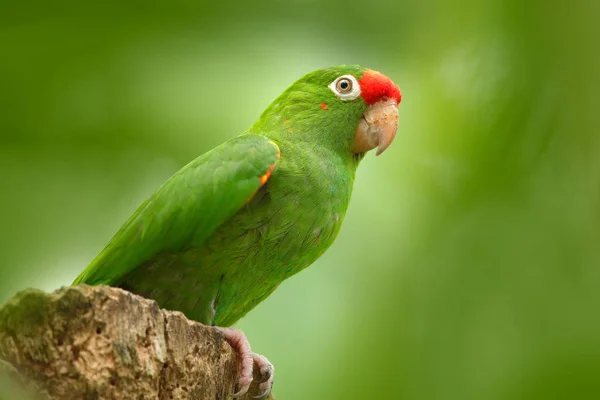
x: 468, y: 266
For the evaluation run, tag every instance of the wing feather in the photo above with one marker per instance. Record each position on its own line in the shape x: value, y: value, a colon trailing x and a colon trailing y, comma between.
x: 188, y: 208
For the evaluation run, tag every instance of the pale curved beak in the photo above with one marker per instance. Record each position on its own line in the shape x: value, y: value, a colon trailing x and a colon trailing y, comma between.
x: 377, y: 127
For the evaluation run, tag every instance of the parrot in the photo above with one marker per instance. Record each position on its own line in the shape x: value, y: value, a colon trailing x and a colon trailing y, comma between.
x: 224, y: 231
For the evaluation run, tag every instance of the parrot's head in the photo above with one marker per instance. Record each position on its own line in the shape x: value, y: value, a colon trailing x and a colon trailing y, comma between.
x: 348, y: 108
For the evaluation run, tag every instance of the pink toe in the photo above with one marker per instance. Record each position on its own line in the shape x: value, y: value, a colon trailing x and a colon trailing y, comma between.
x: 240, y: 344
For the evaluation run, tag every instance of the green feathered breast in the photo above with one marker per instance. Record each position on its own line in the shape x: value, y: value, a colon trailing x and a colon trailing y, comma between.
x: 215, y: 239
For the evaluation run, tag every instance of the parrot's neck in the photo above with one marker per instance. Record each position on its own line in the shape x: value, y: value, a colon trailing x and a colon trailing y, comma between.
x: 318, y: 159
x: 309, y: 145
x: 318, y: 172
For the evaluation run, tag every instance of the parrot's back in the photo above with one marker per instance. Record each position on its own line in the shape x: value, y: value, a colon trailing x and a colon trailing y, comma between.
x: 216, y: 276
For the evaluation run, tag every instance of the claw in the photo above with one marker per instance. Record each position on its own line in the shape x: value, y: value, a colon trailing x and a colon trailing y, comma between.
x: 263, y: 394
x: 243, y: 389
x: 247, y: 360
x: 265, y: 367
x: 267, y: 372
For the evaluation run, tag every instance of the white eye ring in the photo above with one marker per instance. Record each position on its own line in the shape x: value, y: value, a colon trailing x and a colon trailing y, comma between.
x: 345, y: 87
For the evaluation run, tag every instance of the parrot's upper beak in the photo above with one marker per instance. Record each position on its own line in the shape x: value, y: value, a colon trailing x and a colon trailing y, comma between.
x: 377, y: 127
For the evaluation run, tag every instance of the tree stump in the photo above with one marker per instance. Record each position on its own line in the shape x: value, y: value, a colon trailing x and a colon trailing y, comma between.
x: 100, y: 342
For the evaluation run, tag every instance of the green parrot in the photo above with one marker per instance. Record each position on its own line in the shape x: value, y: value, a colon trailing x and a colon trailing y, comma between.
x: 224, y: 231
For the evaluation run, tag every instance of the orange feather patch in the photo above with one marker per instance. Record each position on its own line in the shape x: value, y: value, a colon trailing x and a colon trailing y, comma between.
x: 264, y: 178
x: 267, y: 175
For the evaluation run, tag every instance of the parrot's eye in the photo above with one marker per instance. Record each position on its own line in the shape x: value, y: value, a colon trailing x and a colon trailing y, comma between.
x: 345, y: 87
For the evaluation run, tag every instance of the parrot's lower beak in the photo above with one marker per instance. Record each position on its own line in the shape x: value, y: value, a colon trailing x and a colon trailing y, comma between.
x: 377, y: 127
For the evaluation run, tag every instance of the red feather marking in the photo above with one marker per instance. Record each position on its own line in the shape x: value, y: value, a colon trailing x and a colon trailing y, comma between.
x: 323, y: 106
x: 374, y: 86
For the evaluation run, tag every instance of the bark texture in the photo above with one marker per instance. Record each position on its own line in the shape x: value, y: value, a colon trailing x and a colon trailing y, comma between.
x: 100, y: 342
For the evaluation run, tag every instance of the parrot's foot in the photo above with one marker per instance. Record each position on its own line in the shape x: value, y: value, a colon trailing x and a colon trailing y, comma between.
x: 248, y: 360
x: 267, y: 373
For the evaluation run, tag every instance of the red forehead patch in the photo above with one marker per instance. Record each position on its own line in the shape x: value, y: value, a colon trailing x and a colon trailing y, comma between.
x: 374, y: 86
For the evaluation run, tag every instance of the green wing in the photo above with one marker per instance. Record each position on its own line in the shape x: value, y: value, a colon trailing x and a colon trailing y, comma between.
x: 187, y: 208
